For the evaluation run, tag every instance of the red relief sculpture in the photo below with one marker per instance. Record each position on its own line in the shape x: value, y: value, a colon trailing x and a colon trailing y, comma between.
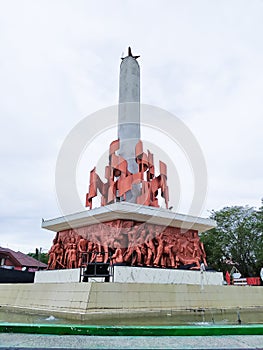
x: 119, y: 180
x: 127, y: 242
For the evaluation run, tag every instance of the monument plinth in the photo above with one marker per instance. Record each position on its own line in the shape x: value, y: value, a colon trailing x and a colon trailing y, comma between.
x: 129, y: 228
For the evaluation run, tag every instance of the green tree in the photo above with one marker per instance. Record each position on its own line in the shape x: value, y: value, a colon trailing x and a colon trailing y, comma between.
x: 238, y: 237
x: 43, y: 257
x: 259, y: 226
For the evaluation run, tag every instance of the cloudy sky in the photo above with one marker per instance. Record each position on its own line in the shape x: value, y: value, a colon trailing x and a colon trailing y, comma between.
x: 200, y: 60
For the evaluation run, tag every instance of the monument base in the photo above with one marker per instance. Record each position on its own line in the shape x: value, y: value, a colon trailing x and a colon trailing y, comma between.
x: 130, y: 274
x: 130, y: 234
x: 82, y: 300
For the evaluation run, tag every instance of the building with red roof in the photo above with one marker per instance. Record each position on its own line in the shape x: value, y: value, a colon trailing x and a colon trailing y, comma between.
x: 19, y: 261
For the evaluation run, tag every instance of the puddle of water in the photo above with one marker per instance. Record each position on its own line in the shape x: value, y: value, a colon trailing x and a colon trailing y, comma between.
x: 170, y: 318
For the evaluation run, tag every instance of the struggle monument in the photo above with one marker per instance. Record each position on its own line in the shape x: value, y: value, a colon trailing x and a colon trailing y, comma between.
x: 129, y: 228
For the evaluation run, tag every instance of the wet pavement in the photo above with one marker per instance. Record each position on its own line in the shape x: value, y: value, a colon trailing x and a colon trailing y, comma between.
x: 36, y: 341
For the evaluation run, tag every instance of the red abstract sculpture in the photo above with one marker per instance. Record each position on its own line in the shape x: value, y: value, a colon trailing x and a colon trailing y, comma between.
x: 120, y: 180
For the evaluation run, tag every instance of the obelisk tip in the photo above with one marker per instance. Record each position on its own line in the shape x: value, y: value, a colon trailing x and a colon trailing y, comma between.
x: 130, y: 54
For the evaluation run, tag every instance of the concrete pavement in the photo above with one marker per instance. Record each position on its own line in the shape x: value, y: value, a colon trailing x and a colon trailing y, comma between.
x: 36, y: 341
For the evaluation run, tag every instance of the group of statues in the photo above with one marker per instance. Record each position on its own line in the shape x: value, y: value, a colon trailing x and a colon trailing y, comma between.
x: 127, y: 242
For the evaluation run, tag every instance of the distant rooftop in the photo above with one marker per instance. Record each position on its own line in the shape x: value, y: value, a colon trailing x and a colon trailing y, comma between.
x: 22, y: 259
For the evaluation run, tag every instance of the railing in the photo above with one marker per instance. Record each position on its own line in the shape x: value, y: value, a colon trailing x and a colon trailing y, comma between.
x: 95, y: 269
x: 239, y: 281
x: 250, y: 281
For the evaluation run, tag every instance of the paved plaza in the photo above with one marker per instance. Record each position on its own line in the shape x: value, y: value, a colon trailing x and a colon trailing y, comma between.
x: 27, y: 341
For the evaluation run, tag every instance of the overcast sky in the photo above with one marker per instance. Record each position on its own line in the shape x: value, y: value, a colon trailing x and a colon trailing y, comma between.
x: 59, y: 62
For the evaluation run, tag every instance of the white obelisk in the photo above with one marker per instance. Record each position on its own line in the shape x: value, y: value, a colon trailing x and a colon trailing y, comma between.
x: 129, y: 114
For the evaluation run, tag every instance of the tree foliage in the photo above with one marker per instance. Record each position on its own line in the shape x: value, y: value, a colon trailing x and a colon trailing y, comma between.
x: 238, y: 238
x: 43, y: 257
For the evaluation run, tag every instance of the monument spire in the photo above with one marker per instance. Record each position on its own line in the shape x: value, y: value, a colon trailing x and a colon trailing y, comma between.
x: 129, y: 109
x: 130, y: 174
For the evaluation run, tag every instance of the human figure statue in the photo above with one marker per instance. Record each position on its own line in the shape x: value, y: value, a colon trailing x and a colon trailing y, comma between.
x: 151, y: 251
x: 187, y: 260
x: 95, y: 253
x: 52, y: 257
x: 174, y: 250
x: 105, y: 252
x: 55, y: 255
x: 59, y: 254
x: 198, y: 248
x: 100, y: 256
x: 140, y: 252
x: 90, y: 251
x: 168, y: 259
x: 184, y: 245
x: 117, y: 257
x: 66, y: 243
x: 72, y: 256
x: 82, y: 251
x: 132, y: 233
x: 160, y: 247
x: 67, y: 252
x: 109, y: 245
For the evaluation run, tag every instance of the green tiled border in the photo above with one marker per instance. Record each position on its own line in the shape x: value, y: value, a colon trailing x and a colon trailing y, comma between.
x: 57, y: 329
